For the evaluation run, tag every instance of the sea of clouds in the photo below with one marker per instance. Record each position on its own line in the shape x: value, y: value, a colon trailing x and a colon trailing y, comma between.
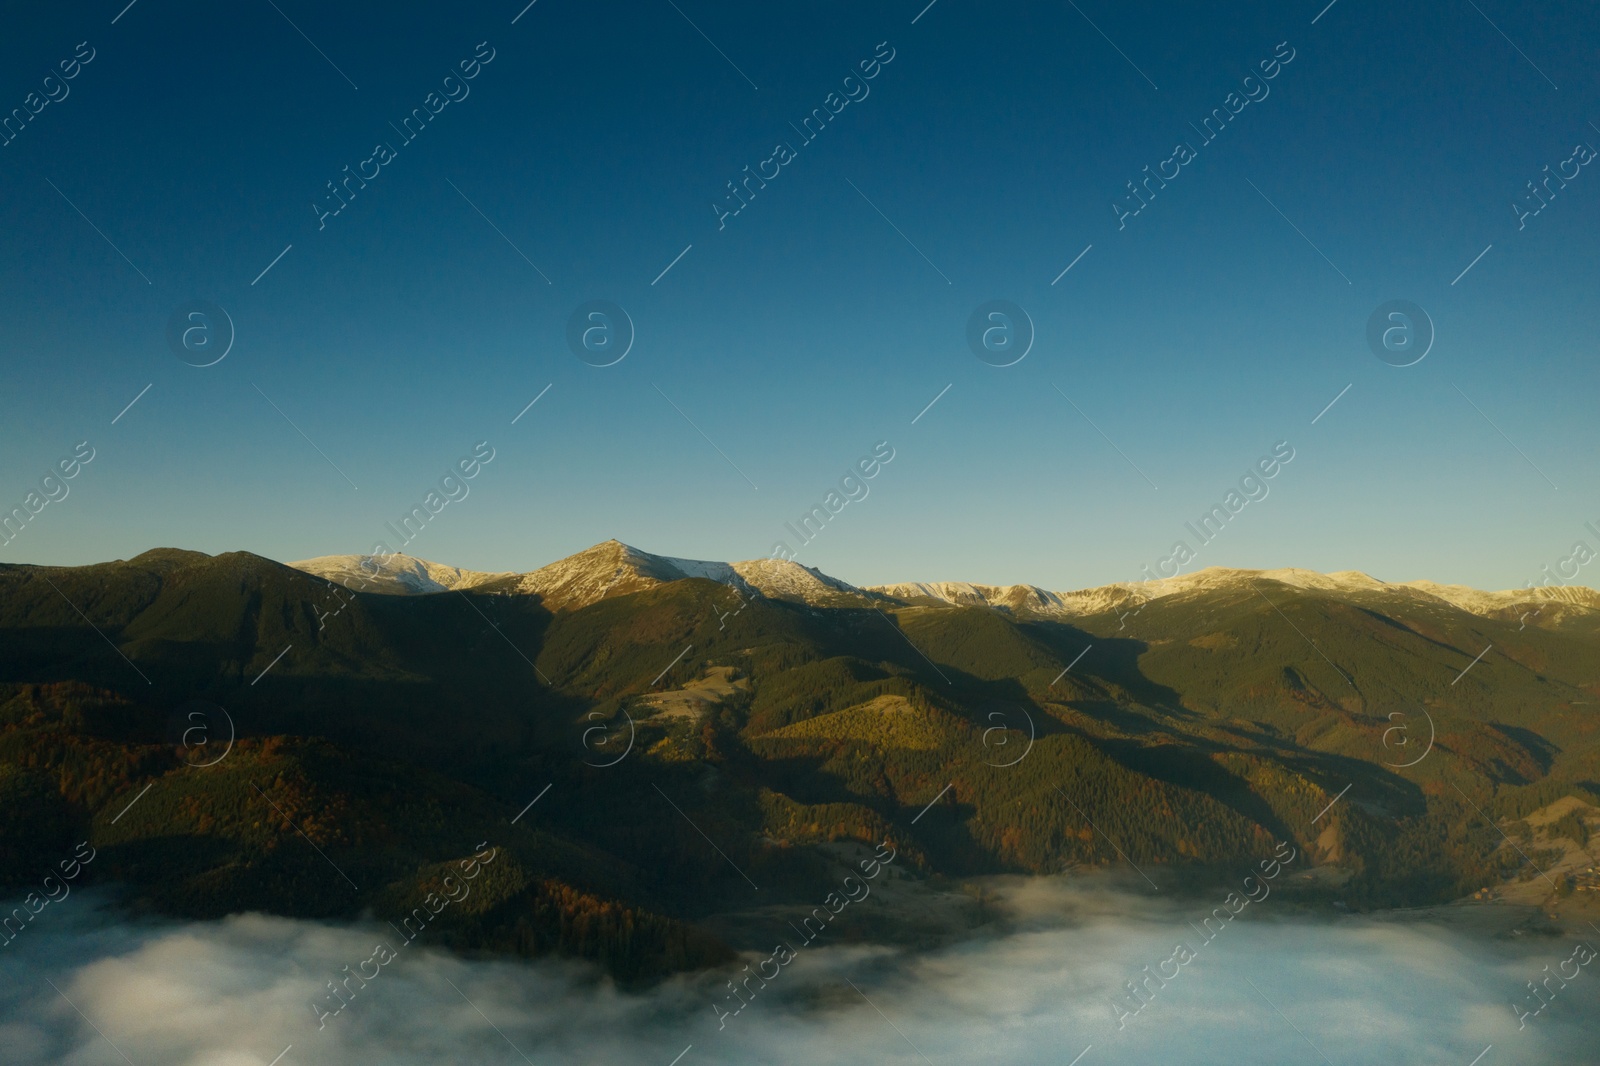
x: 90, y: 987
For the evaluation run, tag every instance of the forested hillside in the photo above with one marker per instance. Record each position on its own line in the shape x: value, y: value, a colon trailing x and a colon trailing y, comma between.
x: 232, y: 734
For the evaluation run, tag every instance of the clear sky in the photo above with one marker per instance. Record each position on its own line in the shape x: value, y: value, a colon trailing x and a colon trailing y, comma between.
x: 985, y: 156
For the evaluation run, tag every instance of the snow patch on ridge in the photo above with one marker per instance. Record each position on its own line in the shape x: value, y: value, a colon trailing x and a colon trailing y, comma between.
x: 1029, y: 600
x: 394, y: 575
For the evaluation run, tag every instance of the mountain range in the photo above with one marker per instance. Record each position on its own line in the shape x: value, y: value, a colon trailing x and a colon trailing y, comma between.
x: 647, y: 739
x: 612, y: 568
x: 607, y: 569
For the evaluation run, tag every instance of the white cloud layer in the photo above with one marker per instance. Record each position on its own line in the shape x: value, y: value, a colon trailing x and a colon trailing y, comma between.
x: 239, y: 991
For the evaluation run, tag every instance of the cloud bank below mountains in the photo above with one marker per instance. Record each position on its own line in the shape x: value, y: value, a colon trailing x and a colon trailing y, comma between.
x: 239, y: 991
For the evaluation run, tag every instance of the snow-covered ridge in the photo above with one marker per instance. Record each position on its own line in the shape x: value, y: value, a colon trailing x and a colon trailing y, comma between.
x: 780, y: 579
x: 612, y: 569
x: 1038, y: 602
x: 1022, y: 600
x: 396, y: 575
x: 608, y: 569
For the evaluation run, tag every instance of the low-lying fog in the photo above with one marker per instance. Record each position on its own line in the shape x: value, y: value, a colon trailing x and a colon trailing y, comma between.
x: 80, y: 988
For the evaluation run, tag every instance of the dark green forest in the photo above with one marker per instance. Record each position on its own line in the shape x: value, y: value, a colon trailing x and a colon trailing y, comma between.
x: 226, y: 743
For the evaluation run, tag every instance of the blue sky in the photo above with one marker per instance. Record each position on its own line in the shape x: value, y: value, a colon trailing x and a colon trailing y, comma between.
x: 824, y: 317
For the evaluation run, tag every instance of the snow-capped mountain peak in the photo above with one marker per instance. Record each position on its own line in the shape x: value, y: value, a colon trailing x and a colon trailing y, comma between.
x: 613, y: 568
x: 395, y: 575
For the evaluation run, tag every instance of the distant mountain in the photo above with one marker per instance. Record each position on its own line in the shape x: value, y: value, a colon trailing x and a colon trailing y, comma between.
x: 399, y: 575
x: 612, y: 568
x: 1546, y: 605
x: 608, y: 569
x: 1021, y: 600
x: 783, y: 579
